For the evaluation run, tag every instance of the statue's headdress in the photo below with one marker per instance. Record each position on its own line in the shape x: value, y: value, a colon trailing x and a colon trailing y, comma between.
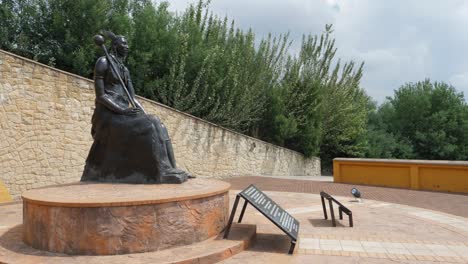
x: 110, y: 35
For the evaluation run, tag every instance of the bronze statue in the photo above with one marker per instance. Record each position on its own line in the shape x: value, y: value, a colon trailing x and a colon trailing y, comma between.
x: 129, y: 145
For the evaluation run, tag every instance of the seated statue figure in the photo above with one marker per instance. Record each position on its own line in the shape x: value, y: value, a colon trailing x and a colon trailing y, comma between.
x: 129, y: 145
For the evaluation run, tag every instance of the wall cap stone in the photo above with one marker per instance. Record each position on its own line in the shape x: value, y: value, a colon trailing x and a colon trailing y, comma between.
x: 44, y: 65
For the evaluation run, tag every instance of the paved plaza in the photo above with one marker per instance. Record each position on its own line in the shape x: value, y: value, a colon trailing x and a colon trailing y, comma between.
x: 390, y: 226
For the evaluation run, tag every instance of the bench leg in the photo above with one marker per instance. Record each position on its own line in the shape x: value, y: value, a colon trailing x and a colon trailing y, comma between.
x: 350, y: 219
x: 231, y: 218
x: 242, y: 212
x: 332, y: 213
x: 341, y: 213
x: 324, y: 207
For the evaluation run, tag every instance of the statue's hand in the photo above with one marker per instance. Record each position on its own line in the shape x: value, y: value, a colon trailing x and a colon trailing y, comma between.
x: 132, y: 111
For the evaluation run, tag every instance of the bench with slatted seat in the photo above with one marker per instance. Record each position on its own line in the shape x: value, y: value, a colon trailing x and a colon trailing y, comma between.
x: 341, y: 208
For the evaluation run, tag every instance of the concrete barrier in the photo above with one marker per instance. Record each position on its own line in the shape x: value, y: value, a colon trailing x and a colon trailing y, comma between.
x: 433, y: 175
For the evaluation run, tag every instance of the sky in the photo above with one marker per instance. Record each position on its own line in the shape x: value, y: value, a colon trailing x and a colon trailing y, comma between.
x: 400, y: 41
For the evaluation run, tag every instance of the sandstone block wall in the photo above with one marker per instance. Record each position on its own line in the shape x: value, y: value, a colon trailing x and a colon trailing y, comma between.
x: 45, y: 136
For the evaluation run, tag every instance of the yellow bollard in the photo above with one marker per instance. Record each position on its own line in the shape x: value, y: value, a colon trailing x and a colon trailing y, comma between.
x: 4, y: 194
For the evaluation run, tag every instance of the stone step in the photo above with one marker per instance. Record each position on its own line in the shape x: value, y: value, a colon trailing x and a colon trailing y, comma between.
x: 241, y: 236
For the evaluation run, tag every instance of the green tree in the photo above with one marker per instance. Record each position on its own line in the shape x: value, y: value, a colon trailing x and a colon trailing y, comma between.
x: 425, y: 120
x: 211, y: 70
x: 59, y: 33
x: 344, y: 114
x: 204, y: 65
x: 8, y: 24
x: 318, y: 106
x: 381, y: 142
x: 434, y: 117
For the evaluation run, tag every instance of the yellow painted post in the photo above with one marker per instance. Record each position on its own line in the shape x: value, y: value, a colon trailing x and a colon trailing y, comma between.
x: 414, y: 174
x: 336, y: 171
x: 4, y: 194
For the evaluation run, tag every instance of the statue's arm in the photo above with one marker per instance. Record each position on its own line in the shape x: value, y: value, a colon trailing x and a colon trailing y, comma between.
x: 102, y: 65
x: 131, y: 90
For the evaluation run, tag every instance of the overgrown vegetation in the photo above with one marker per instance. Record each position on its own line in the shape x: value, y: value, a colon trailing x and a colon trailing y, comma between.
x: 204, y: 65
x: 423, y: 120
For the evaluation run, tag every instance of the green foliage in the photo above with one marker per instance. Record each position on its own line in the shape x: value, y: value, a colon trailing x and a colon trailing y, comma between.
x: 204, y: 65
x: 344, y: 114
x: 8, y: 24
x: 215, y: 72
x: 381, y: 142
x: 424, y: 120
x: 318, y: 106
x: 59, y: 33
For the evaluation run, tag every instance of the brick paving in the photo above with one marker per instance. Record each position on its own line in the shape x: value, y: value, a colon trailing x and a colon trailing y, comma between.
x: 456, y: 204
x: 383, y: 232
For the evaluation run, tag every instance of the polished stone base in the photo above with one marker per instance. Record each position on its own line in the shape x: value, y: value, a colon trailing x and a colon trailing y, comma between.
x: 108, y: 219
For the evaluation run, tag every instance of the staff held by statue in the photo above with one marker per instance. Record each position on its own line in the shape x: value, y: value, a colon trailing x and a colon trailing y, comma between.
x: 100, y: 40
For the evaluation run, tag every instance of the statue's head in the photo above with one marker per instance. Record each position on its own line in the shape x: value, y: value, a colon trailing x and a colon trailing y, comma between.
x: 120, y: 46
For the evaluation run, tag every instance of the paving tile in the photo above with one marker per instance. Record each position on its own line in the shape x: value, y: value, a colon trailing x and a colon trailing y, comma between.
x: 421, y: 252
x: 444, y: 202
x: 371, y: 244
x: 363, y: 255
x: 319, y: 252
x: 302, y: 210
x: 392, y: 245
x: 352, y: 243
x: 462, y: 251
x: 454, y: 260
x: 421, y: 236
x: 330, y: 247
x: 353, y: 249
x: 400, y: 251
x: 414, y: 246
x: 372, y: 255
x: 309, y: 243
x: 436, y: 247
x: 442, y: 251
x: 401, y: 257
x: 330, y: 241
x: 301, y: 251
x: 375, y: 250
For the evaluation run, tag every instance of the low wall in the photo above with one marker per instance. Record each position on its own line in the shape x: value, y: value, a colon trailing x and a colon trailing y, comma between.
x: 45, y: 117
x: 450, y: 176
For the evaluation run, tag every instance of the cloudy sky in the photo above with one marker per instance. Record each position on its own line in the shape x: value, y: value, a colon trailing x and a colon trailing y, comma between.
x: 399, y: 40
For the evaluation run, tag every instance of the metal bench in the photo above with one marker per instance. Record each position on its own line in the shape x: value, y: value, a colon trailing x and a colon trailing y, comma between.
x: 341, y: 208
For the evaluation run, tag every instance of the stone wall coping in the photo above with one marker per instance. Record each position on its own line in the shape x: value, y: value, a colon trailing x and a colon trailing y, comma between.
x: 220, y: 127
x: 157, y: 103
x: 45, y: 65
x: 93, y: 194
x: 406, y: 161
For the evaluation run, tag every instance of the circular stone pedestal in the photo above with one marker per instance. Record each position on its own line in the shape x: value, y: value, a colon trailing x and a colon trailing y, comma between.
x: 105, y: 219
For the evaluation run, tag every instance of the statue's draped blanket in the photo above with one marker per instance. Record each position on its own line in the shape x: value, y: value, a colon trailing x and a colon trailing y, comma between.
x: 130, y: 149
